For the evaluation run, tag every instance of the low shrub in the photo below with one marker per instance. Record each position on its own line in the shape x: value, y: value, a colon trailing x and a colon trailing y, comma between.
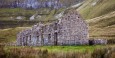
x: 111, y: 41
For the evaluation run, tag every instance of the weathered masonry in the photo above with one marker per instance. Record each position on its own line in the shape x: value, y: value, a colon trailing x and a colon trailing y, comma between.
x: 71, y: 29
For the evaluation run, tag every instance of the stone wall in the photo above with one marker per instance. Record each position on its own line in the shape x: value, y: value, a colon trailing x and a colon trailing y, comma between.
x: 71, y: 29
x: 97, y: 41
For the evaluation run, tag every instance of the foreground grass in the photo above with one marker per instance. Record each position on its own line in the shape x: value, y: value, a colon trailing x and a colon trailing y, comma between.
x: 62, y: 48
x: 98, y: 51
x: 70, y: 48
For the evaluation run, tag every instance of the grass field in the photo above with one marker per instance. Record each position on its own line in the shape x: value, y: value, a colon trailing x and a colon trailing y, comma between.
x: 103, y: 26
x: 100, y: 15
x: 9, y: 35
x: 64, y: 48
x: 101, y: 7
x: 70, y: 48
x: 7, y: 13
x: 12, y: 13
x: 97, y: 51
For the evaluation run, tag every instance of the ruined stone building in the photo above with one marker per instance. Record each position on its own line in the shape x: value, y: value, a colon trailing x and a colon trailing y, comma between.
x: 71, y: 29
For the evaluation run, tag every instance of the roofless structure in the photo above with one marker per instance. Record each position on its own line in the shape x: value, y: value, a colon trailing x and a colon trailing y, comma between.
x: 71, y: 29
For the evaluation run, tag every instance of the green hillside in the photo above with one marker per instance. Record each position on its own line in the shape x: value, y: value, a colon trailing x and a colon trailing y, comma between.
x: 12, y: 13
x: 95, y: 8
x: 103, y: 26
x: 100, y: 15
x: 9, y: 35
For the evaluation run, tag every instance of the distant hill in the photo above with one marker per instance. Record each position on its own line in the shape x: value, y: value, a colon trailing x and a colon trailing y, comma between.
x: 35, y: 4
x: 12, y: 9
x: 100, y: 14
x: 94, y: 8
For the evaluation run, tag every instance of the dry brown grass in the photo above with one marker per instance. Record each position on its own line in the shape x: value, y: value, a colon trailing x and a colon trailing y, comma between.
x: 102, y: 27
x: 29, y: 52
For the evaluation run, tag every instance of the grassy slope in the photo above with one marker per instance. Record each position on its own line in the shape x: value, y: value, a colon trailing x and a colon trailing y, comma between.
x: 7, y: 13
x: 101, y: 18
x: 102, y: 7
x: 45, y: 13
x: 9, y: 35
x: 103, y: 26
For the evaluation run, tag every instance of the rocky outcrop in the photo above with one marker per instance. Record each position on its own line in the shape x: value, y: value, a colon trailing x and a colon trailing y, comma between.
x: 35, y: 4
x: 97, y: 41
x: 31, y: 4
